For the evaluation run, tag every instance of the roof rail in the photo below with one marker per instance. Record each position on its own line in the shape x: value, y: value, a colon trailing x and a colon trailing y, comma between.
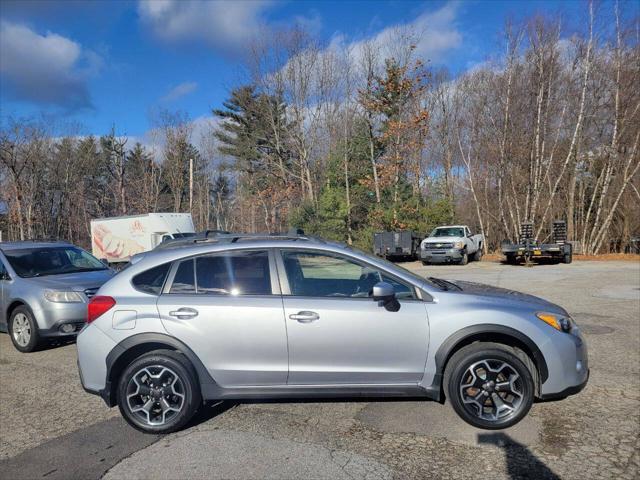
x: 221, y: 236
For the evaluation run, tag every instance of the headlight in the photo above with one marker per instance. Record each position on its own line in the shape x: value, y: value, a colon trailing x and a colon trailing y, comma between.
x: 459, y: 244
x: 58, y: 296
x: 559, y: 322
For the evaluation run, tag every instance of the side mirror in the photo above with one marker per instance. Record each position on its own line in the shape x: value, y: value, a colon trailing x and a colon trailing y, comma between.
x: 385, y: 295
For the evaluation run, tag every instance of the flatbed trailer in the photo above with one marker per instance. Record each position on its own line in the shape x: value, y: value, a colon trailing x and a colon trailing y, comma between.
x: 527, y: 248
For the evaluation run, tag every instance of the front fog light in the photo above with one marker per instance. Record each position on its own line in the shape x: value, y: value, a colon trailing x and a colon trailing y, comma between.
x: 58, y: 296
x: 67, y: 328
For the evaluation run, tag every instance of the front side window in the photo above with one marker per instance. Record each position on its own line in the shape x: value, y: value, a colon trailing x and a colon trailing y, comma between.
x: 324, y: 275
x: 39, y: 262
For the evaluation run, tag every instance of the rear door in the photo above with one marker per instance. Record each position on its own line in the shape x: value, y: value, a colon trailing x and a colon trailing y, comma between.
x: 4, y: 291
x: 337, y: 334
x: 227, y: 308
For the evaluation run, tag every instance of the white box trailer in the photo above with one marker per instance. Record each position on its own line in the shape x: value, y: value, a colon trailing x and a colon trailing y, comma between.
x: 117, y: 239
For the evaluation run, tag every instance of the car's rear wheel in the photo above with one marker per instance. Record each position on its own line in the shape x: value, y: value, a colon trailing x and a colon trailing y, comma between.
x: 23, y: 330
x: 158, y: 392
x: 477, y: 256
x: 490, y: 385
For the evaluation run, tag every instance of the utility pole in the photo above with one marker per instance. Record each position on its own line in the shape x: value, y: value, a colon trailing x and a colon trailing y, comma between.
x: 191, y: 186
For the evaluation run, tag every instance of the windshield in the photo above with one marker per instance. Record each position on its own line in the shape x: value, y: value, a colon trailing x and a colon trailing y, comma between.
x: 52, y: 261
x: 448, y: 232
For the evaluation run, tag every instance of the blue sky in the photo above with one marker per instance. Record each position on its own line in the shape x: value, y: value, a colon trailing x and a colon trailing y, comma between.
x: 101, y: 63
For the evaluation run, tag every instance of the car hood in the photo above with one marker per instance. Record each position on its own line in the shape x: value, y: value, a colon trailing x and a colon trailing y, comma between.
x: 441, y: 239
x: 504, y: 295
x: 74, y: 281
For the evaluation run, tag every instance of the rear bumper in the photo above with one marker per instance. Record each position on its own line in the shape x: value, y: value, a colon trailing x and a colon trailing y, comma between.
x: 93, y: 347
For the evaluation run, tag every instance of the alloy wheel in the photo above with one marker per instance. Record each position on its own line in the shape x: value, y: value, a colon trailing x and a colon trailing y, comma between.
x: 21, y: 329
x: 491, y: 390
x: 155, y: 395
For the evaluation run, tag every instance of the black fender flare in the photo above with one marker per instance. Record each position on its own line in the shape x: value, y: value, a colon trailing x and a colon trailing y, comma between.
x: 450, y: 344
x: 159, y: 340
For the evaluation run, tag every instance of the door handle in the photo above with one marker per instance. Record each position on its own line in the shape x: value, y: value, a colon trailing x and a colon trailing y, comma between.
x: 184, y: 313
x: 304, y: 316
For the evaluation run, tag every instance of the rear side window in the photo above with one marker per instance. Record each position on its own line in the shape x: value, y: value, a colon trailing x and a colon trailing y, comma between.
x: 232, y: 273
x: 151, y: 281
x: 184, y: 280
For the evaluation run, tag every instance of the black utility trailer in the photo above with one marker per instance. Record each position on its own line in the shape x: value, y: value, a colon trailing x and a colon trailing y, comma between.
x: 402, y: 245
x: 528, y: 248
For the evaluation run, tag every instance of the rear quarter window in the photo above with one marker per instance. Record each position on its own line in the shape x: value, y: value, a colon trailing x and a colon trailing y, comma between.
x: 152, y: 280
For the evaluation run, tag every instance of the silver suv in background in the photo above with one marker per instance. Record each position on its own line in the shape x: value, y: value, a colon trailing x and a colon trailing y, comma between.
x: 44, y: 290
x: 245, y: 317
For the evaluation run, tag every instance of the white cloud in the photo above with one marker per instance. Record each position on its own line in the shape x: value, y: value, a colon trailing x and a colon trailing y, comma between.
x: 225, y: 26
x: 179, y: 91
x: 436, y: 34
x: 45, y: 69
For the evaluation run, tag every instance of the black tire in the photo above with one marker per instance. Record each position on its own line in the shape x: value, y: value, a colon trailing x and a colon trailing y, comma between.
x: 491, y: 355
x: 19, y: 315
x: 568, y: 256
x: 511, y: 259
x: 465, y: 258
x: 477, y: 256
x: 170, y: 363
x: 425, y: 263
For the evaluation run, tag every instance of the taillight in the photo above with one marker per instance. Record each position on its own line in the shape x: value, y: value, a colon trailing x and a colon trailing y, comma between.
x: 98, y: 305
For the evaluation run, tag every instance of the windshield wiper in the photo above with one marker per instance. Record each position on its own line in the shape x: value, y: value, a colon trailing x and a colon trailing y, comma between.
x: 444, y: 284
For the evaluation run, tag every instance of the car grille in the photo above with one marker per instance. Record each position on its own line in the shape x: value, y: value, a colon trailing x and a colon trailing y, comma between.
x: 90, y: 292
x: 437, y: 246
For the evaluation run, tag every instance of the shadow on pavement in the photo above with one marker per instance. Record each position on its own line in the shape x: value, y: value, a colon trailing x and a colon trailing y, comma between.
x: 209, y: 411
x: 521, y: 463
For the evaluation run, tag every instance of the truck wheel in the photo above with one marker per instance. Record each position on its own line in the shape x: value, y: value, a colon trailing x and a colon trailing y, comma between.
x: 425, y: 263
x: 478, y: 255
x: 465, y: 258
x: 511, y: 259
x: 490, y: 385
x: 23, y: 330
x: 567, y: 257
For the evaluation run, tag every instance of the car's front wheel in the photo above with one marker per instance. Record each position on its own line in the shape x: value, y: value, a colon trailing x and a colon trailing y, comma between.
x: 490, y: 385
x: 23, y: 330
x: 158, y: 392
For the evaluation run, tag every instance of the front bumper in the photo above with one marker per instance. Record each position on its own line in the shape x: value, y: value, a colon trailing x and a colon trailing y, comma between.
x: 62, y: 329
x: 568, y: 366
x: 51, y: 317
x: 441, y: 256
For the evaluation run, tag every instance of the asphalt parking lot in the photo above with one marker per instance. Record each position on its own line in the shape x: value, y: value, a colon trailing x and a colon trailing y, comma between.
x: 49, y: 427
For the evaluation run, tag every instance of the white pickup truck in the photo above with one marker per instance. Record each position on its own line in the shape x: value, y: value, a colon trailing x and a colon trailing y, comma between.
x: 451, y: 244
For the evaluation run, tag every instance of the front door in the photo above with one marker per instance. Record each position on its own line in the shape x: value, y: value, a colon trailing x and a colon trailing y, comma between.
x: 338, y: 335
x: 227, y: 308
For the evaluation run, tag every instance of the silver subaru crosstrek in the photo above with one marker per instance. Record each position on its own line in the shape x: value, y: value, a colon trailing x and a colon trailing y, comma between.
x: 251, y: 317
x: 44, y: 290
